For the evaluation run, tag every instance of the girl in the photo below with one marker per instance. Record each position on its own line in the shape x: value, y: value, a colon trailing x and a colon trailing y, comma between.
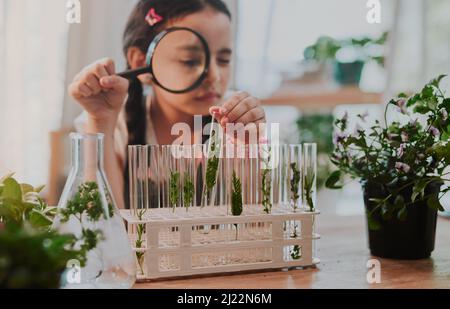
x: 148, y: 119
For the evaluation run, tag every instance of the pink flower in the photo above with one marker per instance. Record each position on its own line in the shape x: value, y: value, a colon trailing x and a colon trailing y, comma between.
x: 402, y: 167
x: 444, y: 114
x: 401, y: 103
x: 338, y: 137
x: 434, y: 131
x: 400, y: 150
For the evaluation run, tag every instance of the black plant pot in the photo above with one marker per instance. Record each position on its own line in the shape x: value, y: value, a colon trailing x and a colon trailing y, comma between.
x: 410, y: 239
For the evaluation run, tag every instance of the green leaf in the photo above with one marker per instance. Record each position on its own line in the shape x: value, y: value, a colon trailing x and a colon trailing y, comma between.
x: 12, y: 189
x: 26, y: 188
x: 373, y: 224
x: 427, y: 92
x: 419, y: 189
x: 402, y: 214
x: 435, y: 82
x: 399, y: 201
x: 39, y: 220
x: 446, y: 103
x: 332, y: 180
x: 434, y: 203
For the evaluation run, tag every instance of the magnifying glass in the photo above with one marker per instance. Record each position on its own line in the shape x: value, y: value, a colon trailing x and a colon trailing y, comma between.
x: 178, y: 60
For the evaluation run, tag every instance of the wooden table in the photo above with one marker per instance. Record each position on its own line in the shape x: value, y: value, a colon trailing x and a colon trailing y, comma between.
x: 344, y: 254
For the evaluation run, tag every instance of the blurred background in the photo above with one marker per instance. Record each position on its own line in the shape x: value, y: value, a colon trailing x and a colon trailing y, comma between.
x: 308, y: 61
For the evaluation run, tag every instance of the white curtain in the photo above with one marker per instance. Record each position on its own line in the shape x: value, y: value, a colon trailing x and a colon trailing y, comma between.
x: 33, y: 44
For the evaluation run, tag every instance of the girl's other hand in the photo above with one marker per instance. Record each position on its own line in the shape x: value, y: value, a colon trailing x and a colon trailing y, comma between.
x: 99, y: 91
x: 241, y: 109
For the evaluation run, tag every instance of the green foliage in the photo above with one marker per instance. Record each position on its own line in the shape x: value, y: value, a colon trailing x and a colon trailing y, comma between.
x: 399, y: 155
x: 188, y: 191
x: 308, y: 190
x: 21, y: 203
x: 140, y: 239
x: 318, y: 128
x: 326, y: 48
x: 174, y: 188
x: 31, y: 253
x: 266, y: 181
x: 295, y: 184
x: 33, y: 259
x: 87, y: 204
x: 212, y: 164
x: 236, y: 199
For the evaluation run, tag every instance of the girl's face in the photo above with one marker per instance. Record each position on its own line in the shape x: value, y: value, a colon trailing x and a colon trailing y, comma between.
x: 215, y: 27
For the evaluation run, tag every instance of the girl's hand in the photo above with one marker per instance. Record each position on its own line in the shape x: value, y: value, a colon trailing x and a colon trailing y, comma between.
x: 99, y: 91
x: 242, y: 110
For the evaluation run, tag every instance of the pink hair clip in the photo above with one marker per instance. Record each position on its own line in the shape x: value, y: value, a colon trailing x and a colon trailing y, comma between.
x: 152, y: 18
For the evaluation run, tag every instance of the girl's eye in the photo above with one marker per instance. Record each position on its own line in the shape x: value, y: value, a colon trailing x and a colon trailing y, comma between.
x: 223, y: 61
x: 191, y: 63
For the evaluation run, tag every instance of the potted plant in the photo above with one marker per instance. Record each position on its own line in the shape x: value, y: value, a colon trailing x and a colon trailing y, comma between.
x: 347, y: 56
x: 401, y: 166
x: 32, y: 253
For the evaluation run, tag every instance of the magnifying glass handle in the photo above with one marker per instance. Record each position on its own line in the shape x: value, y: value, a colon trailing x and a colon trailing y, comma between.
x: 130, y: 74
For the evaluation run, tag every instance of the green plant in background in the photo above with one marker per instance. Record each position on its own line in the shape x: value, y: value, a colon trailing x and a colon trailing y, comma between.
x: 20, y: 203
x: 326, y: 48
x: 174, y: 188
x: 295, y: 184
x: 32, y: 255
x: 266, y: 180
x: 318, y: 128
x: 308, y: 190
x: 140, y: 229
x: 412, y: 154
x: 236, y: 199
x: 188, y: 191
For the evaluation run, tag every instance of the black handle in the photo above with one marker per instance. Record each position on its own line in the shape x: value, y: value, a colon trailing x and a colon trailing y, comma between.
x: 130, y: 74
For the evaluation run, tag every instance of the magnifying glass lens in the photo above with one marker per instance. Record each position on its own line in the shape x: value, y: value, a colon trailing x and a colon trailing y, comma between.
x: 179, y: 60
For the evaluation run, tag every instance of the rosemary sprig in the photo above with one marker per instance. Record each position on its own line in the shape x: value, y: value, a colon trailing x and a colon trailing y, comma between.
x: 308, y: 190
x: 211, y: 166
x: 295, y: 181
x: 236, y: 199
x: 174, y: 188
x: 139, y: 241
x: 266, y: 184
x: 188, y: 191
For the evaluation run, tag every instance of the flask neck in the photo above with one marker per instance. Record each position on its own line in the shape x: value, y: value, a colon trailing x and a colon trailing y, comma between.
x: 87, y: 154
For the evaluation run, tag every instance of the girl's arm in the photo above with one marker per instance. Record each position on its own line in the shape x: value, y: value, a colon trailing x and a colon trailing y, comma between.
x: 102, y: 94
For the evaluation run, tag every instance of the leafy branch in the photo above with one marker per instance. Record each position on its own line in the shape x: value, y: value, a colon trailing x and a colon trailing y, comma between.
x: 266, y: 182
x: 236, y: 199
x: 295, y: 184
x: 174, y: 188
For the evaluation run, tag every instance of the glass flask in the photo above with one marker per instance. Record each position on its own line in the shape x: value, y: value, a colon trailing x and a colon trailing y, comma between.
x: 87, y: 210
